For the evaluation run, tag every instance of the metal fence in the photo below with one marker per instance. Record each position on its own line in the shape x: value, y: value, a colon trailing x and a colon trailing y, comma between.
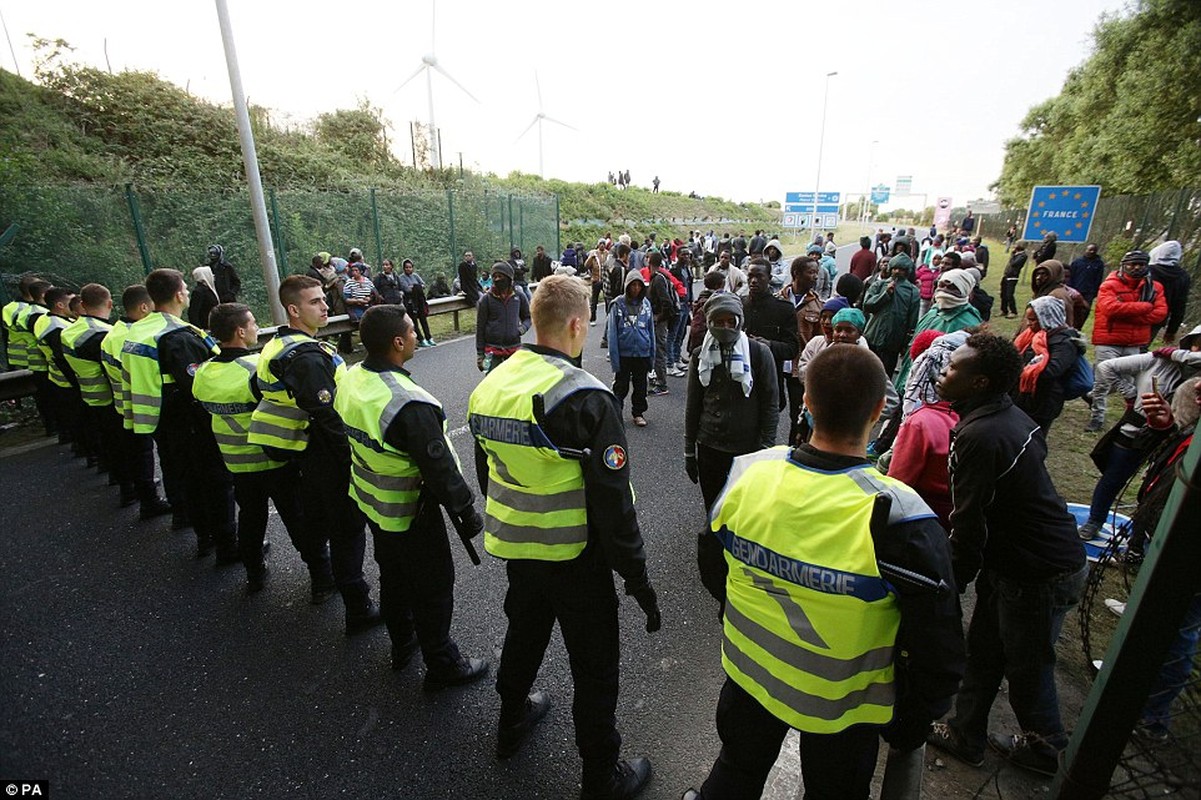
x: 115, y: 235
x: 1126, y: 222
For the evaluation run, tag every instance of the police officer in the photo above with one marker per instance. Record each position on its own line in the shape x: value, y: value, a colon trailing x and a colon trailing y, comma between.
x: 298, y: 377
x: 404, y: 470
x: 225, y: 386
x: 136, y: 452
x: 816, y: 638
x: 17, y: 339
x: 158, y: 362
x: 62, y: 391
x: 81, y: 348
x: 551, y: 458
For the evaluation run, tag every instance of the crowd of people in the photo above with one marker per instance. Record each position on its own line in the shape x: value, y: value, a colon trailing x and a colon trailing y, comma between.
x: 914, y: 466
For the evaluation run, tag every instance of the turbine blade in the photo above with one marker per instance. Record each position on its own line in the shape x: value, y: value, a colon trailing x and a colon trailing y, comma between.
x: 527, y: 130
x: 559, y: 122
x: 410, y: 78
x: 538, y: 85
x: 433, y: 25
x: 448, y: 77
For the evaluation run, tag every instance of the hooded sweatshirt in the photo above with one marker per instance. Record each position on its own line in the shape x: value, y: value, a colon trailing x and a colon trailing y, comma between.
x: 1063, y: 346
x: 631, y: 325
x: 1053, y: 287
x: 1166, y: 269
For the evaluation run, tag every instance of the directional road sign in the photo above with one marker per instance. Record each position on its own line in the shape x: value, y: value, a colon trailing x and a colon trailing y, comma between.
x: 880, y: 194
x: 1065, y: 210
x: 801, y: 207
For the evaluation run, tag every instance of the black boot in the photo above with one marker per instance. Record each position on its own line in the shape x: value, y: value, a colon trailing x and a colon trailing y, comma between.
x: 363, y: 620
x: 154, y: 507
x: 627, y: 779
x: 468, y: 670
x: 513, y: 733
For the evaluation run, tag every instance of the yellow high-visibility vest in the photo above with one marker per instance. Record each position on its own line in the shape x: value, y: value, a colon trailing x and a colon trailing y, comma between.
x: 93, y: 385
x: 277, y: 421
x: 223, y: 389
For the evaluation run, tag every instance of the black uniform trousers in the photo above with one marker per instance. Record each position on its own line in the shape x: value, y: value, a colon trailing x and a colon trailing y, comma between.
x: 416, y: 584
x: 44, y: 403
x: 193, y: 470
x: 835, y: 766
x: 333, y: 517
x: 104, y: 428
x: 139, y: 455
x: 579, y: 594
x: 281, y: 486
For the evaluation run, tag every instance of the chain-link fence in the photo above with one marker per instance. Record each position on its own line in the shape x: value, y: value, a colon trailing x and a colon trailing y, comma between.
x: 1127, y: 222
x: 76, y: 234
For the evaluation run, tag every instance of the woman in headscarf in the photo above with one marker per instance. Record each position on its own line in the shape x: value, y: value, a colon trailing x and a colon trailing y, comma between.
x: 919, y: 454
x: 204, y: 297
x: 951, y: 312
x: 1049, y: 349
x: 1050, y: 280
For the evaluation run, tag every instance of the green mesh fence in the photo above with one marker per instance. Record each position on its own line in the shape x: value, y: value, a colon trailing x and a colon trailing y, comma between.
x: 75, y: 235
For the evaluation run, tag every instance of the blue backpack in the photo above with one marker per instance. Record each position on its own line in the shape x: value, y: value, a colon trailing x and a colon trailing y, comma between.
x: 1079, y: 379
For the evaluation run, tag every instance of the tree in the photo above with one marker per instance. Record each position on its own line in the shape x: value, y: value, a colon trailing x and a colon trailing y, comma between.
x: 1128, y: 118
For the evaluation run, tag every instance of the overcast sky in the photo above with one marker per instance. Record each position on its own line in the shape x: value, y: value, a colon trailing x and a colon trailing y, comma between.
x: 727, y: 104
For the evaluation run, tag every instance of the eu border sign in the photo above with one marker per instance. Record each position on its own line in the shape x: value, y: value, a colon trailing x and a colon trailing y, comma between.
x: 1066, y: 211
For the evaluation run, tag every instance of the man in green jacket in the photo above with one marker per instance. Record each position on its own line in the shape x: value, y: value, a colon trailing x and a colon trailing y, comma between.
x: 892, y: 307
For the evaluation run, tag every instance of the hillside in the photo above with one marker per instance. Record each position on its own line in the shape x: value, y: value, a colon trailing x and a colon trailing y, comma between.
x: 79, y: 126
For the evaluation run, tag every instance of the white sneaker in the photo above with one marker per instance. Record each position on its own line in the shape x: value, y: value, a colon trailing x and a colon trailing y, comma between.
x: 1116, y: 606
x: 676, y: 372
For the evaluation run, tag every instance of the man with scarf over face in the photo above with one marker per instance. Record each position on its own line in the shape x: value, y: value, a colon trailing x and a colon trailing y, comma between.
x: 951, y: 312
x: 731, y: 409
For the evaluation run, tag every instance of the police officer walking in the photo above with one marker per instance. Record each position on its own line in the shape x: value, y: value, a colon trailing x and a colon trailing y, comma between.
x: 225, y: 386
x: 403, y: 471
x: 158, y: 361
x: 551, y: 458
x: 298, y: 376
x: 821, y: 634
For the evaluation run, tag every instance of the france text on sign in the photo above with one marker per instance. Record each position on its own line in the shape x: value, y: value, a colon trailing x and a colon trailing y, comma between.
x: 807, y: 198
x: 1065, y: 210
x: 880, y: 194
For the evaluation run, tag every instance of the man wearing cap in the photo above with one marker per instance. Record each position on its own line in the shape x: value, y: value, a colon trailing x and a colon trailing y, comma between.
x: 1129, y: 303
x: 502, y: 317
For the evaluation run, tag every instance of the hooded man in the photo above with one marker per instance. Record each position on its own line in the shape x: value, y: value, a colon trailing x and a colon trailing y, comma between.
x: 502, y: 317
x: 952, y: 311
x: 1049, y: 280
x: 893, y: 306
x: 1166, y: 270
x: 779, y: 267
x: 225, y: 278
x: 631, y: 338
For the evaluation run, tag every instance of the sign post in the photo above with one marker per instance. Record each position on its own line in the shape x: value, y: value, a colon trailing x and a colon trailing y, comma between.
x: 811, y: 209
x: 1066, y: 211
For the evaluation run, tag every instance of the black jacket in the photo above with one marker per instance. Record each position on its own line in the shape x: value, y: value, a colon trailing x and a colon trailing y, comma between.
x: 664, y: 303
x: 201, y: 302
x: 1175, y: 282
x: 1007, y: 515
x: 500, y: 323
x: 226, y: 279
x: 1017, y: 262
x: 179, y: 353
x: 469, y: 282
x: 773, y: 320
x: 720, y: 416
x: 308, y: 374
x: 388, y: 286
x: 592, y: 420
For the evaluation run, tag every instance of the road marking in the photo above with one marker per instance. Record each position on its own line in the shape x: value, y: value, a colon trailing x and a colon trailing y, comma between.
x: 458, y: 431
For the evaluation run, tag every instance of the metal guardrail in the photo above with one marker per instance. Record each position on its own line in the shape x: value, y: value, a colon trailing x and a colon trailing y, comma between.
x: 18, y: 383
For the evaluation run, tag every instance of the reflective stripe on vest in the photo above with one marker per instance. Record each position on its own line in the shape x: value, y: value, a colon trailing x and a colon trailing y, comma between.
x: 277, y: 421
x: 385, y: 482
x: 223, y: 389
x: 110, y: 359
x: 810, y: 626
x: 141, y: 373
x: 36, y: 361
x: 18, y: 339
x: 535, y: 507
x: 42, y: 328
x: 93, y: 385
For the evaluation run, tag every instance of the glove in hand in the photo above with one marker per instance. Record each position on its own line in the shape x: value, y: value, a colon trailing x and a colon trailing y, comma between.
x: 469, y: 523
x: 649, y: 602
x: 694, y: 473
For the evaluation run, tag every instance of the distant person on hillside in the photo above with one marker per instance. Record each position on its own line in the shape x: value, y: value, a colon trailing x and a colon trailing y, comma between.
x: 225, y: 278
x: 655, y: 184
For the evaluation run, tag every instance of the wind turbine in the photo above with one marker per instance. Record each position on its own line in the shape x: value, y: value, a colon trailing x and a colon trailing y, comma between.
x: 429, y: 64
x: 538, y: 121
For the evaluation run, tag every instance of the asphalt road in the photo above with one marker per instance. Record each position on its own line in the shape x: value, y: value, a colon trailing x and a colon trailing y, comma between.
x: 128, y: 668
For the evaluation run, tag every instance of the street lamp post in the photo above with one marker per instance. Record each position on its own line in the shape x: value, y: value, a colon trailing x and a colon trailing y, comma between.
x: 820, y: 145
x: 871, y: 154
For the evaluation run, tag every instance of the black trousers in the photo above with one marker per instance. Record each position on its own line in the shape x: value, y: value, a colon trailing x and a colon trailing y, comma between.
x: 417, y: 584
x: 424, y: 325
x: 44, y: 403
x: 139, y: 455
x: 579, y: 594
x: 714, y: 468
x: 335, y: 519
x: 796, y: 393
x: 281, y: 486
x: 192, y: 464
x: 836, y: 766
x: 633, y: 370
x: 68, y: 410
x: 1008, y: 302
x: 104, y: 430
x: 888, y: 357
x: 596, y: 293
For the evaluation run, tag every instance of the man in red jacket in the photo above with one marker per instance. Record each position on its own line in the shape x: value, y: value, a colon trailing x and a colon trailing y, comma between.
x: 1128, y: 304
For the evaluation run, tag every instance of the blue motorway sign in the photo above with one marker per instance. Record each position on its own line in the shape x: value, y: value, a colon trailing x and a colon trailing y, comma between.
x: 806, y: 198
x: 880, y: 194
x: 1067, y: 211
